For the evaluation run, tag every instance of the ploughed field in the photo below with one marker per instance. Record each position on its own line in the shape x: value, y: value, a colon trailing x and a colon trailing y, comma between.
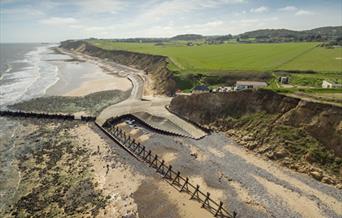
x: 235, y: 57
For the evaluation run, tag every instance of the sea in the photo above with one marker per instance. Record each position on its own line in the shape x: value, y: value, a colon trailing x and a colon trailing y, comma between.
x: 27, y: 71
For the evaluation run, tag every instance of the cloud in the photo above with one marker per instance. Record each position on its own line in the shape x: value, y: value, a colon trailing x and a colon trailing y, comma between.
x: 208, y: 28
x: 214, y: 23
x: 304, y: 12
x: 172, y: 7
x: 261, y: 9
x: 288, y: 8
x: 60, y: 21
x: 7, y: 1
x: 27, y: 11
x: 101, y: 6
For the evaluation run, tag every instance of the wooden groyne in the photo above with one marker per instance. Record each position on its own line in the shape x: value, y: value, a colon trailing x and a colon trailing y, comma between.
x: 26, y: 114
x: 138, y: 151
x: 173, y: 177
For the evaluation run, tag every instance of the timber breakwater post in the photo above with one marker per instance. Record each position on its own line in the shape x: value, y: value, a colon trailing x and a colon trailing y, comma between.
x: 173, y: 177
x: 56, y: 116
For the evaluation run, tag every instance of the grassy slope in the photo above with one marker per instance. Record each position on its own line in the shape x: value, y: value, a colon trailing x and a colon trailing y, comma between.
x: 239, y: 57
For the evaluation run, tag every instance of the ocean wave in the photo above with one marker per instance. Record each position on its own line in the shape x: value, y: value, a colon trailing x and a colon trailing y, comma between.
x: 31, y: 81
x: 7, y: 68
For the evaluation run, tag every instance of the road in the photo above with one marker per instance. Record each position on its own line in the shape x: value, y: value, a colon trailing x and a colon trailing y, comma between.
x: 144, y: 107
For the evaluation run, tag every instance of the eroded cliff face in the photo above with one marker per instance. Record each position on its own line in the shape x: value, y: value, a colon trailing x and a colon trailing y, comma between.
x: 159, y: 79
x: 305, y: 136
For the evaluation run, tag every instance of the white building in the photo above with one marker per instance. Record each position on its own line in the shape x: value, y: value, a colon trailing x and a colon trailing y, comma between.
x: 330, y: 85
x: 242, y: 85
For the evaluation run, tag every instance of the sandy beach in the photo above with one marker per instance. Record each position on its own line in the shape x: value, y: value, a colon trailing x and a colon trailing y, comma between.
x: 92, y: 86
x: 82, y: 78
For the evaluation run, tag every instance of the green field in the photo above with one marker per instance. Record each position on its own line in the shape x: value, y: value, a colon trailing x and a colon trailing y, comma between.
x: 234, y: 57
x: 306, y: 64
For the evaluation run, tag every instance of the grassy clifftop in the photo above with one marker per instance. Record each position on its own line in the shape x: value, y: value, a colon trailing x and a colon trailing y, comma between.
x: 307, y: 64
x: 237, y: 57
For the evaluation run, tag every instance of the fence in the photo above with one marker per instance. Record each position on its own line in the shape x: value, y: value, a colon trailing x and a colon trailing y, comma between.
x: 141, y: 153
x: 174, y: 178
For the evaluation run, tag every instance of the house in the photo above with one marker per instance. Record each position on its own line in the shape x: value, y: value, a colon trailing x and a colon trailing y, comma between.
x: 242, y: 85
x: 200, y: 89
x: 283, y: 80
x: 330, y: 85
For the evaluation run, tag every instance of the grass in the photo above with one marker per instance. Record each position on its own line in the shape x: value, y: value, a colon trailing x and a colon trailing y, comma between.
x: 319, y: 59
x: 305, y: 90
x: 306, y: 64
x: 314, y: 79
x: 235, y: 57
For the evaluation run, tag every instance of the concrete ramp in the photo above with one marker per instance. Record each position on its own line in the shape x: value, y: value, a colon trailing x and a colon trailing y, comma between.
x: 154, y: 114
x: 161, y: 123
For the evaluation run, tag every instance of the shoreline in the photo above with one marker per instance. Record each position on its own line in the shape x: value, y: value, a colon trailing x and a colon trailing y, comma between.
x: 80, y: 161
x: 83, y: 77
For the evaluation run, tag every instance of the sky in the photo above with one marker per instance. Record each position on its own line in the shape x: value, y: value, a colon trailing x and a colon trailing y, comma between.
x: 58, y: 20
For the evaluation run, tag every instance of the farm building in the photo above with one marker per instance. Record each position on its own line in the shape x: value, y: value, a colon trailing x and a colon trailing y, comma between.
x: 242, y: 85
x: 200, y: 89
x: 330, y: 85
x: 283, y: 80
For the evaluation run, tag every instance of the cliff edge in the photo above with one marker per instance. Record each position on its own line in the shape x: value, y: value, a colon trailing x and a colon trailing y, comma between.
x: 159, y: 80
x: 305, y: 136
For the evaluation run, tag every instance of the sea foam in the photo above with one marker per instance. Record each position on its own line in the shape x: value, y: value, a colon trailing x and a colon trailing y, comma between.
x: 31, y: 81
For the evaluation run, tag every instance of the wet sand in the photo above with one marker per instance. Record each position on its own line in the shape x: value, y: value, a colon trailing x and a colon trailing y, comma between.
x: 81, y: 78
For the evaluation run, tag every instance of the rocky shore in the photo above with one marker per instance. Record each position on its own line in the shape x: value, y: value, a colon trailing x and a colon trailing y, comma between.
x: 65, y: 169
x: 90, y: 104
x: 55, y: 179
x: 68, y: 168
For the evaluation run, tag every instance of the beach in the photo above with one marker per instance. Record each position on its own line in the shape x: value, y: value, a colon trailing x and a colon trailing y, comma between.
x: 53, y: 168
x: 79, y: 78
x: 47, y: 80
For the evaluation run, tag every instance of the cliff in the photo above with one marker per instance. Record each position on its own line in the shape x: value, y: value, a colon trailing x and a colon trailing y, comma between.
x: 305, y: 136
x: 159, y: 79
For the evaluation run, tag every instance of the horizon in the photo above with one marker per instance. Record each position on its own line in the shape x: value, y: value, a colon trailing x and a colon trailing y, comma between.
x: 52, y: 21
x: 160, y: 37
x: 137, y: 37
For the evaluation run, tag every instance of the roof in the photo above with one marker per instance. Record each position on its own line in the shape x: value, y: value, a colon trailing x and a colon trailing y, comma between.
x: 331, y: 82
x: 201, y: 88
x: 254, y: 83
